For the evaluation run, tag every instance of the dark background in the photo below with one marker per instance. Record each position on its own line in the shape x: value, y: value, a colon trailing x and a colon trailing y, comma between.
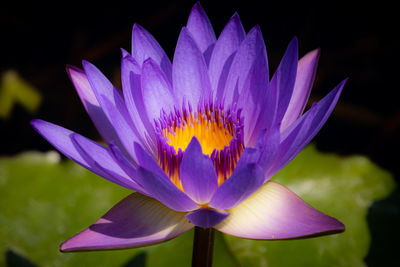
x: 357, y: 41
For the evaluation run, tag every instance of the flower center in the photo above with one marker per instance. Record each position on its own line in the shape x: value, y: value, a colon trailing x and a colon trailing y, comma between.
x: 219, y: 131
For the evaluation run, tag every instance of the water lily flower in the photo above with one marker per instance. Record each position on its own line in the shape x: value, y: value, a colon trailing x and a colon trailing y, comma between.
x: 198, y: 139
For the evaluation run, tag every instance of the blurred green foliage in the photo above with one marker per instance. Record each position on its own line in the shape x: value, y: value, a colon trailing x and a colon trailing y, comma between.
x: 13, y: 89
x: 342, y: 187
x: 44, y: 201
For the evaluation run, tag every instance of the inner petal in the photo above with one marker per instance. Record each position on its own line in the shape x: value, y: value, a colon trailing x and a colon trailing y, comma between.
x: 219, y: 131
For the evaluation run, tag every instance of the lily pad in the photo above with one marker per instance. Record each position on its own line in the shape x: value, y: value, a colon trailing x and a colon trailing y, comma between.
x: 343, y: 187
x: 44, y: 200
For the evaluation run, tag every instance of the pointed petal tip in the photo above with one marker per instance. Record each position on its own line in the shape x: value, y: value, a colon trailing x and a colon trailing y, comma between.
x: 256, y: 29
x: 195, y: 142
x: 70, y: 68
x: 335, y: 227
x: 124, y: 52
x: 276, y: 213
x: 339, y: 88
x: 64, y: 247
x: 130, y: 224
x: 149, y: 61
x: 39, y: 125
x: 34, y: 122
x: 311, y: 57
x: 87, y: 66
x: 316, y: 51
x: 197, y: 7
x: 235, y: 15
x: 137, y: 27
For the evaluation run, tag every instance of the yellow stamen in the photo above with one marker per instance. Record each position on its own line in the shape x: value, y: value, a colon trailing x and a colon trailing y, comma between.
x: 211, y: 134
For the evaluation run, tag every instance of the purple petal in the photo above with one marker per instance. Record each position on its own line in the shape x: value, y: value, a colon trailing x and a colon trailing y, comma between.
x: 284, y: 78
x: 238, y: 187
x: 251, y: 100
x: 99, y: 83
x: 228, y: 42
x: 124, y: 163
x: 206, y: 218
x: 189, y: 71
x: 248, y: 156
x: 274, y: 212
x: 300, y: 133
x: 92, y: 106
x: 124, y: 53
x: 135, y: 221
x: 197, y: 173
x: 148, y: 162
x: 268, y: 145
x: 165, y: 191
x: 305, y: 76
x: 274, y: 103
x: 156, y: 90
x: 131, y: 84
x: 200, y: 27
x: 125, y: 129
x: 145, y: 46
x: 102, y: 164
x: 251, y: 48
x: 101, y: 157
x: 113, y: 105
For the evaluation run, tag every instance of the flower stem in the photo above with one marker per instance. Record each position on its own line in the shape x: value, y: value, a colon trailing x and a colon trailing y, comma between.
x: 203, y: 245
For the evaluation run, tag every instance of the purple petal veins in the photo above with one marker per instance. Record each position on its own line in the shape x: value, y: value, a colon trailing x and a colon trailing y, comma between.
x: 135, y: 221
x: 274, y: 212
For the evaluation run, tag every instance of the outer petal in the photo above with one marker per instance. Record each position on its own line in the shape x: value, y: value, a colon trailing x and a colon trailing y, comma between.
x: 92, y: 106
x: 221, y: 58
x: 238, y: 187
x: 200, y: 27
x: 148, y: 162
x: 197, y: 173
x: 206, y: 217
x: 251, y: 48
x: 189, y: 71
x: 102, y: 157
x: 113, y: 106
x: 249, y: 156
x: 156, y: 90
x: 284, y: 78
x: 305, y: 76
x: 274, y: 212
x: 268, y: 145
x: 135, y: 221
x: 164, y: 191
x: 123, y: 124
x: 300, y: 133
x: 63, y: 140
x: 131, y: 84
x: 145, y: 46
x: 251, y: 100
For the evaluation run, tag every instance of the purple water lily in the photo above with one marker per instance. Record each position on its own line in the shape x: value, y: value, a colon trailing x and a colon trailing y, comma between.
x: 198, y: 139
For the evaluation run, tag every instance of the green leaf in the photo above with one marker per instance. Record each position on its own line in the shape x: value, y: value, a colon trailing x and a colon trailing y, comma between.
x: 13, y: 89
x: 44, y: 201
x: 343, y: 187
